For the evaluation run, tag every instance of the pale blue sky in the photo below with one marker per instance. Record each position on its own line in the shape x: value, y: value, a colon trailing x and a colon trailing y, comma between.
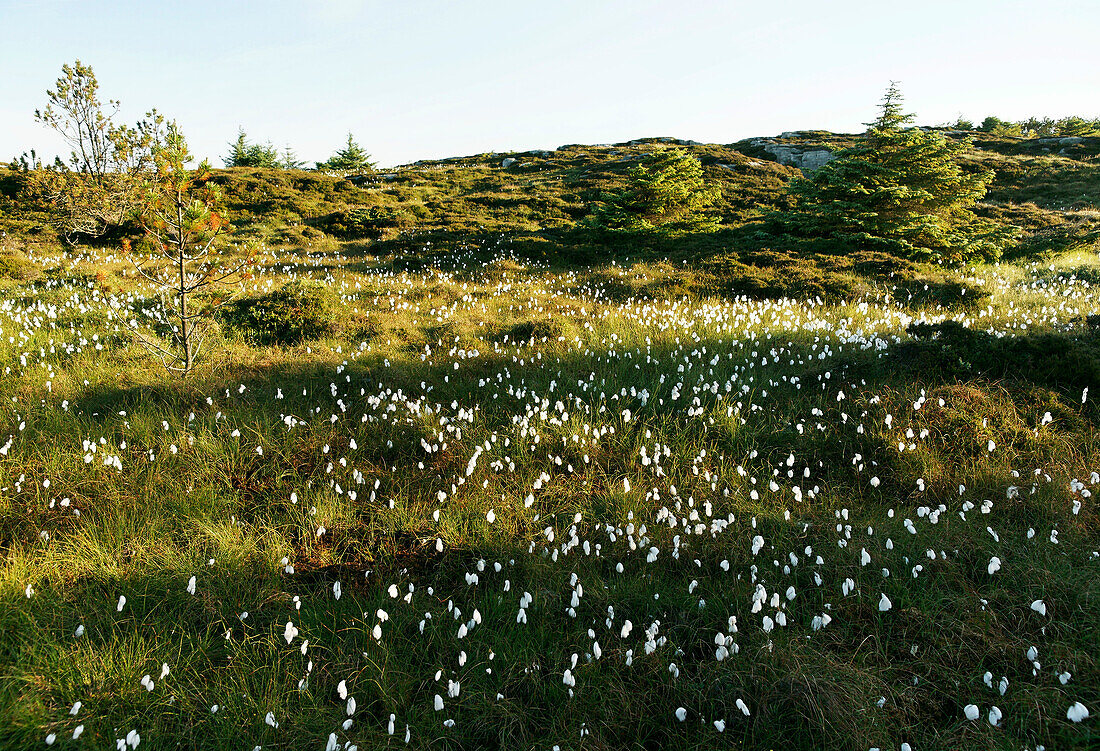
x: 419, y: 78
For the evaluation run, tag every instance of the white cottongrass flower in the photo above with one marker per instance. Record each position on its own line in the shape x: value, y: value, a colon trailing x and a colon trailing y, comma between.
x: 1077, y: 713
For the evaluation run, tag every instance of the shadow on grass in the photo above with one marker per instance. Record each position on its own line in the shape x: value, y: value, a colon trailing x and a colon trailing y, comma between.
x: 801, y: 694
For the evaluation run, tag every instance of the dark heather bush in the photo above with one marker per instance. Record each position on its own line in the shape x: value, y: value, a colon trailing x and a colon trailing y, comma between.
x: 302, y: 309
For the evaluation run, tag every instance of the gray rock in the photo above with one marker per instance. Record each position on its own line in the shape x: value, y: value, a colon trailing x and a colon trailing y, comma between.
x: 508, y: 162
x: 816, y: 159
x: 808, y: 160
x: 1070, y: 141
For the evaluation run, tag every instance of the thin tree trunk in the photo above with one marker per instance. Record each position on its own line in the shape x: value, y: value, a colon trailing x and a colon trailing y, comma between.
x: 185, y: 332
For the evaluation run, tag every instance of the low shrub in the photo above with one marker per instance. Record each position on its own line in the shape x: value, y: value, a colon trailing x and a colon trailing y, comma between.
x: 949, y: 294
x: 875, y: 263
x: 772, y: 274
x: 15, y: 265
x: 362, y: 222
x: 1068, y: 361
x: 302, y: 309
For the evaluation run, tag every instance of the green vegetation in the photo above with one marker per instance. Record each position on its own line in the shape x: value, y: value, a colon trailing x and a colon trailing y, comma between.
x: 96, y: 192
x: 179, y: 216
x: 299, y: 310
x: 1034, y: 127
x: 667, y: 194
x: 287, y: 469
x: 901, y: 191
x: 363, y: 222
x: 351, y: 158
x: 457, y: 472
x: 242, y: 153
x: 16, y: 266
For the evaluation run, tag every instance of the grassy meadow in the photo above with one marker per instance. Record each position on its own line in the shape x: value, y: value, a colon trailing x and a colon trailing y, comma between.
x: 526, y: 491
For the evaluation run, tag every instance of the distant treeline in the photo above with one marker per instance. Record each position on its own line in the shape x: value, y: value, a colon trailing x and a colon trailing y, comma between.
x: 244, y: 153
x: 1033, y: 127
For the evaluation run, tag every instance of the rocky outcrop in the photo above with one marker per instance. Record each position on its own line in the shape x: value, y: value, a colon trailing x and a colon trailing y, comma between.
x: 804, y: 158
x: 1064, y: 141
x: 659, y: 139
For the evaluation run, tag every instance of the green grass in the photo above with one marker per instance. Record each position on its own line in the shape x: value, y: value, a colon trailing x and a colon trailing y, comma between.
x: 771, y: 386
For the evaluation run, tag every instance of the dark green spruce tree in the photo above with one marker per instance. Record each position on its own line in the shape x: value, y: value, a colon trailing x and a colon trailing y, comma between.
x: 666, y: 194
x: 243, y: 153
x: 900, y: 190
x: 351, y: 158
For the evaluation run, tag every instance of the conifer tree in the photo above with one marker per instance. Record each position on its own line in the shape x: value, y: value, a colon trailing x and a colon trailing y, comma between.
x: 290, y: 159
x: 901, y: 190
x: 667, y: 194
x: 243, y: 153
x: 238, y: 151
x: 182, y: 223
x: 351, y: 158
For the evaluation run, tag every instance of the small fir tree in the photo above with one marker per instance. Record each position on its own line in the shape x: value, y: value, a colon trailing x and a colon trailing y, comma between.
x: 290, y: 160
x: 238, y: 150
x: 179, y: 214
x: 351, y: 158
x: 667, y: 195
x: 1077, y: 126
x: 901, y: 190
x: 242, y: 153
